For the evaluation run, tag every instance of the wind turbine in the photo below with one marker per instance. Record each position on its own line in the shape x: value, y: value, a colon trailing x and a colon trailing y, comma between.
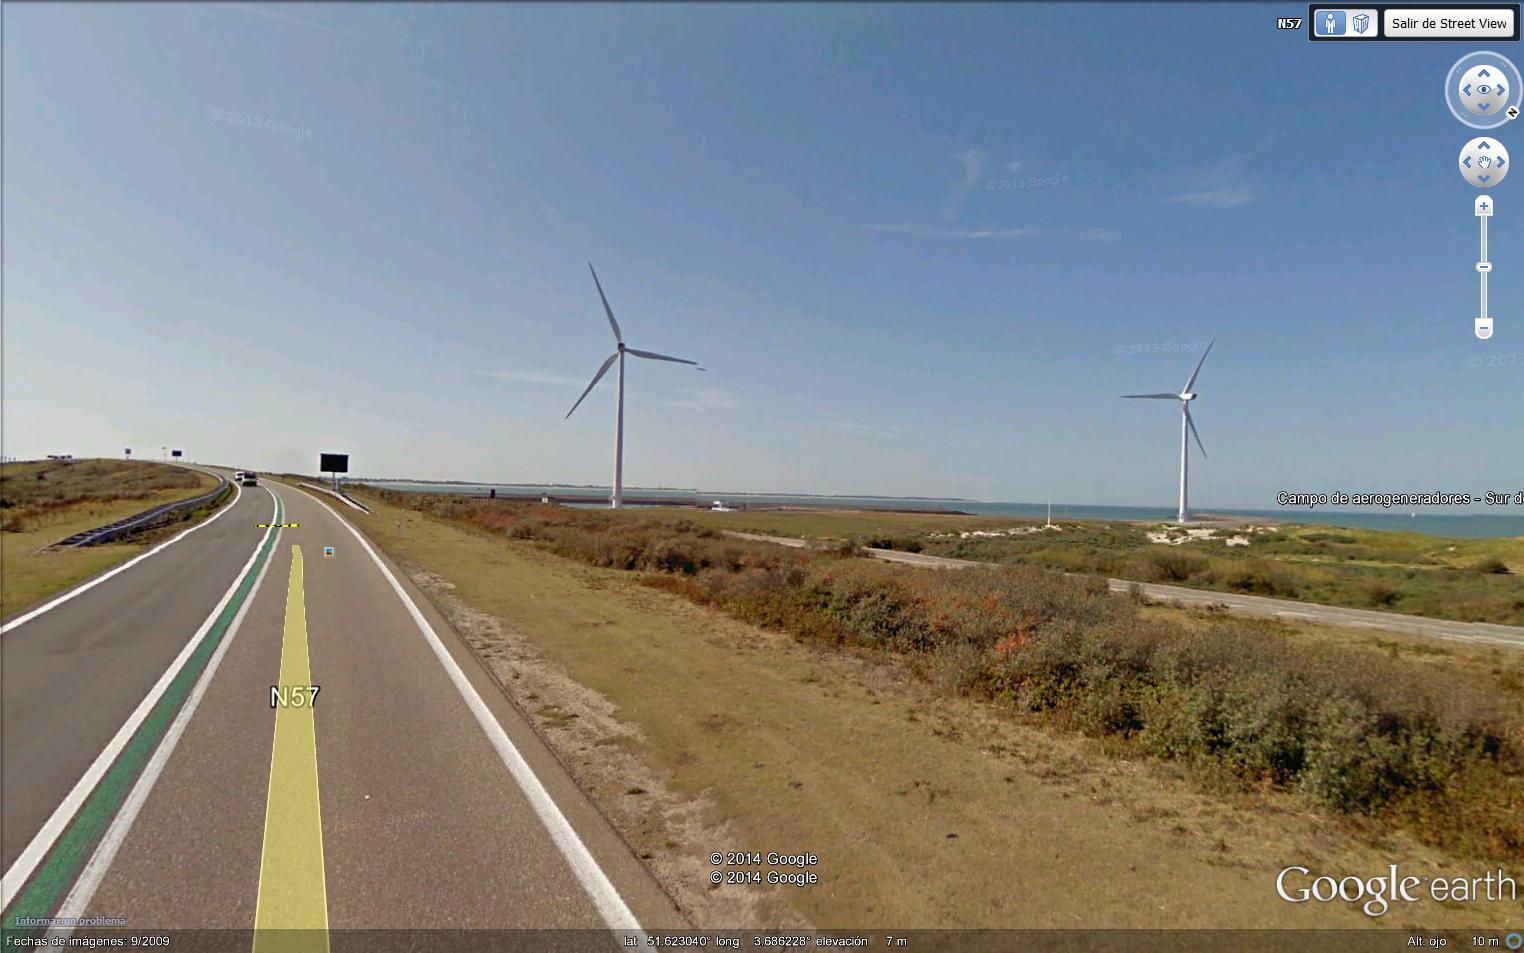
x: 616, y: 500
x: 1185, y: 397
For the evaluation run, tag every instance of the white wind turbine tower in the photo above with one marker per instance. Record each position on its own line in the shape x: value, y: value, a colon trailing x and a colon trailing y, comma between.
x: 1185, y: 397
x: 616, y: 500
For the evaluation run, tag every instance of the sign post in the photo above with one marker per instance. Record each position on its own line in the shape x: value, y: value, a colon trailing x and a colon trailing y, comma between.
x: 334, y: 463
x: 175, y: 454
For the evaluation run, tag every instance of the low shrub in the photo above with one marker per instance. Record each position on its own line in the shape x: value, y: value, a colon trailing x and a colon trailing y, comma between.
x: 1348, y: 729
x: 1259, y: 577
x: 1172, y: 565
x: 1376, y: 592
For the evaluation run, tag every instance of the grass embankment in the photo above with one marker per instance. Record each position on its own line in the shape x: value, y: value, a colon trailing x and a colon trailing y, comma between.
x: 46, y: 501
x: 1469, y: 580
x: 1433, y: 749
x: 695, y: 732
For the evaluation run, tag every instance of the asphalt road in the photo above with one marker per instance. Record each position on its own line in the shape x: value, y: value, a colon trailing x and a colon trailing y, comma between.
x: 408, y: 795
x: 1511, y: 636
x: 70, y: 677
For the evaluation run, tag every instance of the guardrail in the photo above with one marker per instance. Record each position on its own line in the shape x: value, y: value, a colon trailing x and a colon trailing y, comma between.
x: 144, y: 520
x: 339, y: 495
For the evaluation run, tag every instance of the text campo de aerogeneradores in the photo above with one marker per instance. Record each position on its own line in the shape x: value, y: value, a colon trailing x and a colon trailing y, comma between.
x: 1389, y: 500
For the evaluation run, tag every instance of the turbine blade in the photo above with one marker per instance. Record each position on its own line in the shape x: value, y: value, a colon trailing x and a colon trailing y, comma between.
x: 1188, y: 384
x: 1192, y: 424
x: 606, y: 309
x: 596, y: 378
x: 659, y: 357
x: 1153, y: 396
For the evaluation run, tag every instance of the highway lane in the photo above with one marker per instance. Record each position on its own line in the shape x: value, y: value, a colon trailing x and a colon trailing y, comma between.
x: 70, y: 677
x: 412, y: 818
x: 1483, y: 633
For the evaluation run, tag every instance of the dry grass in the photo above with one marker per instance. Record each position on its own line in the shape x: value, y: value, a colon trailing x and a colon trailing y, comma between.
x: 1469, y: 580
x: 45, y: 502
x: 926, y: 809
x: 1348, y: 729
x: 864, y: 758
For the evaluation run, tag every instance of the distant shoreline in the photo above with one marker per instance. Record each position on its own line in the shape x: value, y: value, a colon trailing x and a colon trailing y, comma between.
x: 1447, y: 524
x: 1283, y: 514
x: 665, y: 489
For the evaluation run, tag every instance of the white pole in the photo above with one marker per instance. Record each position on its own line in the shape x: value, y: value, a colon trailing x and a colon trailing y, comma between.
x: 618, y: 498
x: 1183, y: 460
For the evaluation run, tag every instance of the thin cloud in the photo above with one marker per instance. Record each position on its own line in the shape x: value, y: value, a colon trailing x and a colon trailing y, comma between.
x: 1223, y: 184
x: 538, y: 378
x: 972, y: 161
x: 963, y: 233
x: 1092, y: 234
x: 278, y: 14
x: 854, y: 429
x: 1226, y: 196
x: 703, y: 399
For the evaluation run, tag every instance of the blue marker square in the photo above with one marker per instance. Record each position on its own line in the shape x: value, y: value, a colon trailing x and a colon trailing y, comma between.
x: 1330, y: 22
x: 327, y: 550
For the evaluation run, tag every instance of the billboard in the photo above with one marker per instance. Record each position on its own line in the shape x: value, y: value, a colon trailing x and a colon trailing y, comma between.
x: 175, y: 454
x: 334, y: 463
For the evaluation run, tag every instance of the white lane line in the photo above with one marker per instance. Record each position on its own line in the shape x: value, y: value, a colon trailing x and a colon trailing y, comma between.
x: 597, y: 884
x: 75, y: 904
x: 58, y: 821
x: 55, y: 603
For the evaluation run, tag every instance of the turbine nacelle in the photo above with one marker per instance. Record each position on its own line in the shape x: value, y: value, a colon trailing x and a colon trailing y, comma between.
x: 1187, y: 397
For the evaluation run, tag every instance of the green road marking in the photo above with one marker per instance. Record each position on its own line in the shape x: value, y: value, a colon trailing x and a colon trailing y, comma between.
x: 52, y: 881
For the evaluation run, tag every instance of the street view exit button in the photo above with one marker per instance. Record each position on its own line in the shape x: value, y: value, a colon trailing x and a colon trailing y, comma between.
x: 1449, y: 23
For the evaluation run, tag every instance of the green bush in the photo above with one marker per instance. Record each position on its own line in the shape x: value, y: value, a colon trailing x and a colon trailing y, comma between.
x: 904, y: 544
x: 1172, y: 565
x: 1376, y: 592
x: 1260, y: 577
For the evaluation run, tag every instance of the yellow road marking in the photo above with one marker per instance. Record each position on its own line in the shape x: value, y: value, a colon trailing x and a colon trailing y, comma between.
x: 291, y: 913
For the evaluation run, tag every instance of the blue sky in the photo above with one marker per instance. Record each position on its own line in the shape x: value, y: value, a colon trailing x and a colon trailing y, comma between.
x: 820, y: 204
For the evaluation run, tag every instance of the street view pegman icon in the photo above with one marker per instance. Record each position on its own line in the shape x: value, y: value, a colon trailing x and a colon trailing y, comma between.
x: 1330, y: 22
x: 1484, y: 162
